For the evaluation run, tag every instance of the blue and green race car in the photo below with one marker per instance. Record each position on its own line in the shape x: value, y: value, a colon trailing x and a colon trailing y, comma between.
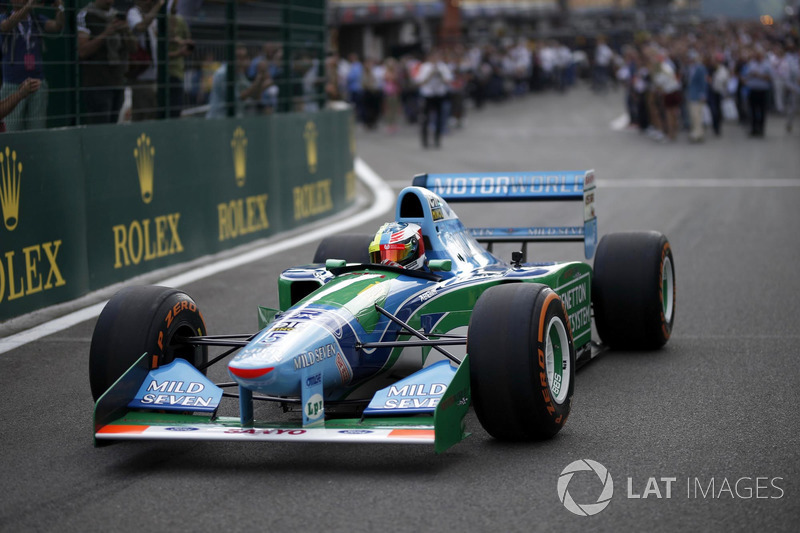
x: 367, y: 351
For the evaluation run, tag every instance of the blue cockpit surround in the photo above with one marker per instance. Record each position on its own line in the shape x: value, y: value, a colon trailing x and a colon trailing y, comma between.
x: 445, y: 235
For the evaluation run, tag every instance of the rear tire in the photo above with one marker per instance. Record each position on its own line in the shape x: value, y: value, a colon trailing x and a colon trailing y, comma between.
x: 522, y: 362
x: 353, y: 248
x: 633, y: 290
x: 143, y: 319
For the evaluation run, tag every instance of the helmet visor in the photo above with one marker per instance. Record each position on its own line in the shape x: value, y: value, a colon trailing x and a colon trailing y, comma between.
x: 395, y: 252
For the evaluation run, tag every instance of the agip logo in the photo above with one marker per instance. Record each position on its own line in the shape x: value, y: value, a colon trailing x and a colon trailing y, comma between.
x: 145, y: 155
x: 9, y: 193
x: 239, y: 148
x: 310, y: 136
x: 585, y: 509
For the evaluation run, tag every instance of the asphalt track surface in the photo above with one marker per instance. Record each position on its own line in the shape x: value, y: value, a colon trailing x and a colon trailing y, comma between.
x: 719, y: 404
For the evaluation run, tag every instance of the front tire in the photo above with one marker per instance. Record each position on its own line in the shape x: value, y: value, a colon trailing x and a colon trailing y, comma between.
x: 143, y: 319
x: 633, y: 290
x: 522, y: 362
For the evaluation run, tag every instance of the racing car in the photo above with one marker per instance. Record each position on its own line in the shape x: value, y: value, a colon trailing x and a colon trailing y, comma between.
x: 391, y: 338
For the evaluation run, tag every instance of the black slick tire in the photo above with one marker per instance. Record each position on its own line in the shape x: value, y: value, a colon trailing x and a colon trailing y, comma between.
x: 633, y: 290
x: 522, y: 362
x: 143, y: 319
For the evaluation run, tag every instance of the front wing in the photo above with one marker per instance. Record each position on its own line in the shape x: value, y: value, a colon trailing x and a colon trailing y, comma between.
x: 114, y: 420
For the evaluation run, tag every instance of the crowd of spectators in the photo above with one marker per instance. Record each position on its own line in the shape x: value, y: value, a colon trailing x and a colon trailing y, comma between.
x: 118, y: 55
x: 433, y: 89
x: 696, y: 80
x: 674, y: 81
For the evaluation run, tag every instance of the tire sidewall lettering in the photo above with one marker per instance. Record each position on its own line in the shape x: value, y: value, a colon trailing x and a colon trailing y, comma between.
x: 544, y: 319
x: 173, y: 320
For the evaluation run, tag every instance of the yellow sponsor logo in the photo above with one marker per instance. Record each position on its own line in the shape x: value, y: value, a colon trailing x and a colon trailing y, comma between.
x: 310, y: 136
x: 146, y: 240
x: 22, y: 274
x: 312, y: 199
x: 145, y: 155
x: 30, y: 282
x: 9, y: 192
x: 239, y: 148
x: 242, y: 216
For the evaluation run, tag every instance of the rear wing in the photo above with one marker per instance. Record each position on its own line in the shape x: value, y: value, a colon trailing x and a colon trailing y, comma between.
x: 578, y: 186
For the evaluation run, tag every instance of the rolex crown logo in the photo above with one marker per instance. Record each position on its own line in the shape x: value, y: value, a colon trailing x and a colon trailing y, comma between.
x: 239, y: 147
x: 145, y: 155
x: 11, y: 171
x: 310, y: 136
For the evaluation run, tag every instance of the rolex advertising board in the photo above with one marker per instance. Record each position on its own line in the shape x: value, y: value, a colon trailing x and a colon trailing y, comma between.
x: 42, y: 236
x: 126, y: 200
x: 312, y: 167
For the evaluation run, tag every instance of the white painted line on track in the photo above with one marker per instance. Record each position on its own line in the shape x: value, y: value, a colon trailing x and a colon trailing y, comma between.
x: 699, y: 183
x: 383, y: 202
x: 677, y: 183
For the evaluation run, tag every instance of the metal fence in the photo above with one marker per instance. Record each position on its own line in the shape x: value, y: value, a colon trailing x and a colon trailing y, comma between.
x: 112, y: 61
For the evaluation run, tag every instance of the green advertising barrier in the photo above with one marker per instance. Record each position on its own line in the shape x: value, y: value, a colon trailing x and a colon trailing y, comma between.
x: 107, y: 203
x: 43, y: 238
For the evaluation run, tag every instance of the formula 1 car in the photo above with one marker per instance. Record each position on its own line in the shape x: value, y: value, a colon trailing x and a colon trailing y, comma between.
x: 366, y: 352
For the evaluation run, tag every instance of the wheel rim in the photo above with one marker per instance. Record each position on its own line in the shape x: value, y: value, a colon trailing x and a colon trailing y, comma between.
x: 557, y: 360
x: 667, y: 290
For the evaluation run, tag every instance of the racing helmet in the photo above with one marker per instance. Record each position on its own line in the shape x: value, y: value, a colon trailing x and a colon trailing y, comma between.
x: 398, y: 244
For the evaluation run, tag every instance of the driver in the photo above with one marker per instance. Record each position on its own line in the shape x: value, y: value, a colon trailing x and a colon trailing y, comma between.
x: 398, y: 244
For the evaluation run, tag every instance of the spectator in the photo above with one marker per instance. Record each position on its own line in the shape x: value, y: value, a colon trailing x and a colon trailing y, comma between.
x: 268, y: 101
x: 409, y: 92
x: 391, y: 94
x: 208, y: 68
x: 717, y: 91
x: 310, y: 66
x: 355, y: 89
x: 776, y: 60
x: 104, y: 41
x: 142, y: 68
x: 697, y: 93
x: 757, y: 80
x: 271, y: 54
x: 332, y: 93
x: 671, y: 96
x: 433, y: 78
x: 603, y: 57
x: 7, y: 104
x: 243, y: 89
x: 22, y: 59
x: 180, y: 47
x: 372, y: 93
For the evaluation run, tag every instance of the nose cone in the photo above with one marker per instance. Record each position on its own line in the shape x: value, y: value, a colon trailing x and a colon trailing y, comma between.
x: 276, y: 360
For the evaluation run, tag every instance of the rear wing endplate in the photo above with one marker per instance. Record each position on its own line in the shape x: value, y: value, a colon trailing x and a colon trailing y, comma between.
x: 576, y: 186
